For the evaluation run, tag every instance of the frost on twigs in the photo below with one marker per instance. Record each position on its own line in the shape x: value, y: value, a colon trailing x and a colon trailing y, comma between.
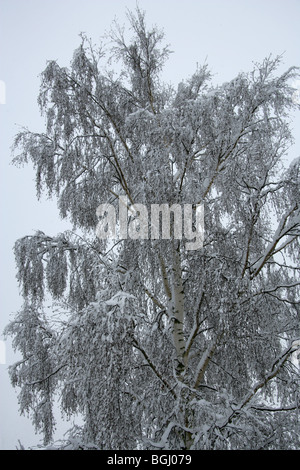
x: 152, y: 345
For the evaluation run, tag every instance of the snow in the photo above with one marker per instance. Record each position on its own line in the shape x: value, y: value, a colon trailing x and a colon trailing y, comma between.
x: 119, y: 299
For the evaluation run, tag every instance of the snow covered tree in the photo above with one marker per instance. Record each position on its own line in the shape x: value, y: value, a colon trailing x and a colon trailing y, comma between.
x: 154, y: 345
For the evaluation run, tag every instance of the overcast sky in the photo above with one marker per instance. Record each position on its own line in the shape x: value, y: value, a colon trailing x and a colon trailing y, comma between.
x: 228, y: 35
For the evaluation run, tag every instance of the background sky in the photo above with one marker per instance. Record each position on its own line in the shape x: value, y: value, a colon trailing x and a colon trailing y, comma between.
x: 228, y: 35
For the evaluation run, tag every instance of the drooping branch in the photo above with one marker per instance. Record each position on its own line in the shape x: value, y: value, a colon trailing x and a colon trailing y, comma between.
x: 153, y: 367
x: 282, y: 230
x: 274, y: 410
x: 275, y: 369
x: 39, y: 381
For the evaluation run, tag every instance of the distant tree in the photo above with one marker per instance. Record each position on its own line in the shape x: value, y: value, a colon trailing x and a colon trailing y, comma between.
x: 156, y: 346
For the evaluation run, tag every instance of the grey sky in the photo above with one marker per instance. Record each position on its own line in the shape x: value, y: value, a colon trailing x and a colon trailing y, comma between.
x: 229, y: 35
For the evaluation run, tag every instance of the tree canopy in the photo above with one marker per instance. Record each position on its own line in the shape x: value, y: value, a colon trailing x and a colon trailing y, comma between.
x: 156, y: 346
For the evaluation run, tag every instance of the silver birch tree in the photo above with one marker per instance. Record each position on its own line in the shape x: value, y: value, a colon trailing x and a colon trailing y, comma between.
x: 156, y: 346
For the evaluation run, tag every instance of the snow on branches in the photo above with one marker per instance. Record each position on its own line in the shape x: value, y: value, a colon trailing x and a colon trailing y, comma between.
x: 152, y: 344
